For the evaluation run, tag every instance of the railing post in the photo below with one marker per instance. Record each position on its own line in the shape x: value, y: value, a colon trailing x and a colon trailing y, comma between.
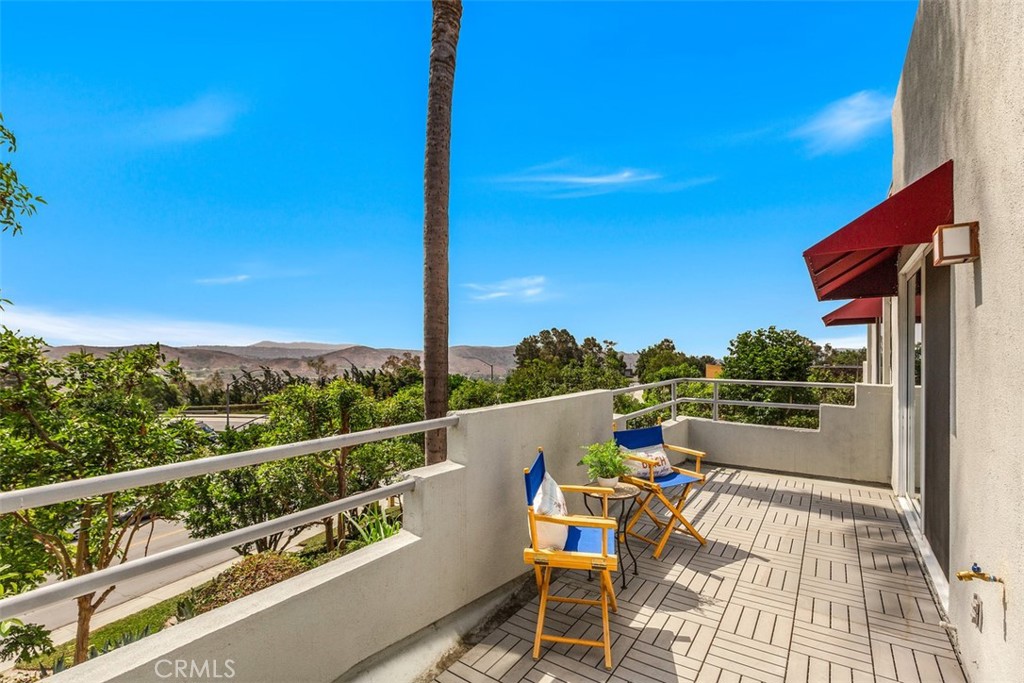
x: 674, y: 385
x: 714, y: 400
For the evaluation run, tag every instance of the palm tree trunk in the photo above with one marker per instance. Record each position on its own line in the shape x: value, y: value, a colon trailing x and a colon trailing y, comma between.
x: 444, y: 39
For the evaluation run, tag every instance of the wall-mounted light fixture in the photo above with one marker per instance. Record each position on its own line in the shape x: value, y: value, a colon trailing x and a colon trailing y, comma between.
x: 956, y: 243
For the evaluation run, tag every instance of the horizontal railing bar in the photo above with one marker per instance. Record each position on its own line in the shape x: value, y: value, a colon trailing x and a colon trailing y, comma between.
x: 751, y: 382
x: 83, y: 585
x: 723, y: 402
x: 39, y: 496
x: 767, y: 404
x: 643, y: 387
x: 648, y: 409
x: 772, y: 383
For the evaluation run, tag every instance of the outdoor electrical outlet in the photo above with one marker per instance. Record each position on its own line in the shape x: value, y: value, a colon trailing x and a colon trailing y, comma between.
x: 977, y: 616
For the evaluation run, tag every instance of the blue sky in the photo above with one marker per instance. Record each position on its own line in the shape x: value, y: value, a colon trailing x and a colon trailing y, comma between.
x: 225, y: 173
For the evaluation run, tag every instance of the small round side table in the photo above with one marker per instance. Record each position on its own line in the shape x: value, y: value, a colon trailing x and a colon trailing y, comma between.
x: 624, y: 498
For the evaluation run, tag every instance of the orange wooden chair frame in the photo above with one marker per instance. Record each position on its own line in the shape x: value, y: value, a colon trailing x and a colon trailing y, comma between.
x: 544, y: 560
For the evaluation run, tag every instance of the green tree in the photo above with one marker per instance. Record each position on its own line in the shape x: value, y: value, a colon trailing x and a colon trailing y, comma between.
x: 67, y: 419
x: 664, y: 354
x: 533, y: 379
x: 397, y: 374
x: 554, y: 346
x: 475, y: 393
x: 16, y: 200
x: 215, y: 504
x: 303, y: 412
x: 769, y: 354
x: 444, y: 39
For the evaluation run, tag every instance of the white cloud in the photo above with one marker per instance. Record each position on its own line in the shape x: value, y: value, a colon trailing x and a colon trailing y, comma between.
x: 845, y: 123
x: 224, y: 280
x: 532, y: 288
x: 558, y: 180
x: 852, y: 342
x: 125, y: 328
x: 207, y: 116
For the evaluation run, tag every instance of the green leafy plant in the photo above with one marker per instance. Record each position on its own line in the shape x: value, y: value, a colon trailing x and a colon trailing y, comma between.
x: 372, y: 526
x: 604, y: 460
x: 23, y: 641
x: 18, y: 639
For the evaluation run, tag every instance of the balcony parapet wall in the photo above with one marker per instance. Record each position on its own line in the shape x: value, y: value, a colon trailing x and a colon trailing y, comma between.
x: 463, y: 536
x: 851, y: 442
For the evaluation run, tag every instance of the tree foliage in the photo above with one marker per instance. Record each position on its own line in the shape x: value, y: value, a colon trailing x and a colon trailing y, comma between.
x: 78, y: 417
x: 474, y: 393
x: 655, y: 358
x: 16, y: 200
x: 551, y: 363
x: 554, y: 347
x: 775, y: 355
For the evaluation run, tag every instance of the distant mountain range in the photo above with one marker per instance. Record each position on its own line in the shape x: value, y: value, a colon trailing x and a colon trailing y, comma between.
x: 199, y: 362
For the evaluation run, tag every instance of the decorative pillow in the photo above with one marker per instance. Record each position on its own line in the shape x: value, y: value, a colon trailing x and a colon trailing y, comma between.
x: 550, y: 501
x: 657, y: 453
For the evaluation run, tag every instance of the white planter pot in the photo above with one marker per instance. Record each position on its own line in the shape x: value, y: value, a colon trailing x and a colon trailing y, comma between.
x: 610, y: 482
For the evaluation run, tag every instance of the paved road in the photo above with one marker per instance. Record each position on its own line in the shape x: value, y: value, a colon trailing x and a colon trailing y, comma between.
x: 219, y: 421
x: 165, y: 535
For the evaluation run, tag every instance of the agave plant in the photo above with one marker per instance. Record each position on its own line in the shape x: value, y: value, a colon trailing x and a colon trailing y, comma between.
x: 372, y: 526
x: 185, y: 609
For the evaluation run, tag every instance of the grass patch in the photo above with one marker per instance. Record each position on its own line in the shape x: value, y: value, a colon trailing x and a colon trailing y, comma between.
x: 154, y: 617
x: 314, y: 543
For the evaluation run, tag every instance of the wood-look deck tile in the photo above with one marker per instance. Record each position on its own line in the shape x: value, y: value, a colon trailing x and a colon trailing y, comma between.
x: 801, y: 580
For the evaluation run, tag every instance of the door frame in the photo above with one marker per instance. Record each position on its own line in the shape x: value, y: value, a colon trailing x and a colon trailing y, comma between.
x: 905, y: 381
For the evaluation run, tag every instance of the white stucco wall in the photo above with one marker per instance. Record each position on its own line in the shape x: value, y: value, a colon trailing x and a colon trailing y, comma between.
x: 852, y: 442
x: 961, y: 97
x: 464, y: 533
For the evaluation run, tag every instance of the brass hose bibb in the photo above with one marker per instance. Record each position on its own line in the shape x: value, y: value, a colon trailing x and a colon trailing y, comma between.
x: 976, y: 573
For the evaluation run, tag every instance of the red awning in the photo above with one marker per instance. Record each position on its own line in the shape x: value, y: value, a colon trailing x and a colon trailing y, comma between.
x: 863, y: 312
x: 859, y: 260
x: 857, y: 312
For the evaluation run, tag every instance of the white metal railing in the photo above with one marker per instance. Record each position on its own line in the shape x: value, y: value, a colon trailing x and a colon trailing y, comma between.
x: 41, y: 496
x: 715, y: 400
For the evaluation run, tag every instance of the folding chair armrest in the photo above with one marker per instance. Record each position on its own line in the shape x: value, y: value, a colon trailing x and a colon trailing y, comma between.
x: 579, y: 520
x: 688, y: 451
x: 596, y: 490
x: 640, y: 458
x: 689, y: 473
x: 645, y: 484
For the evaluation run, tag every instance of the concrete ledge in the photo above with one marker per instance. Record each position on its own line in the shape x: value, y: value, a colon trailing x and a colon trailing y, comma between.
x: 423, y: 655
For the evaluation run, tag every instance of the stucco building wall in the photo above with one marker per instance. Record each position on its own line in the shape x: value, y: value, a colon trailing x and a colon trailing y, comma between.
x: 961, y: 97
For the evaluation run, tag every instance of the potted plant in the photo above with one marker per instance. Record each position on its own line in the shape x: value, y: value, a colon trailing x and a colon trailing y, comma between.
x: 605, y: 462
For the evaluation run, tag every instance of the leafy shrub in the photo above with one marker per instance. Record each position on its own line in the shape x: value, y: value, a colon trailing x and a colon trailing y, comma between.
x: 381, y: 463
x: 23, y: 641
x: 251, y: 574
x: 312, y: 560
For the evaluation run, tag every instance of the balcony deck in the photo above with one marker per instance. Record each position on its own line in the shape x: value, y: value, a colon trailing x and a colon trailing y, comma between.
x: 801, y: 580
